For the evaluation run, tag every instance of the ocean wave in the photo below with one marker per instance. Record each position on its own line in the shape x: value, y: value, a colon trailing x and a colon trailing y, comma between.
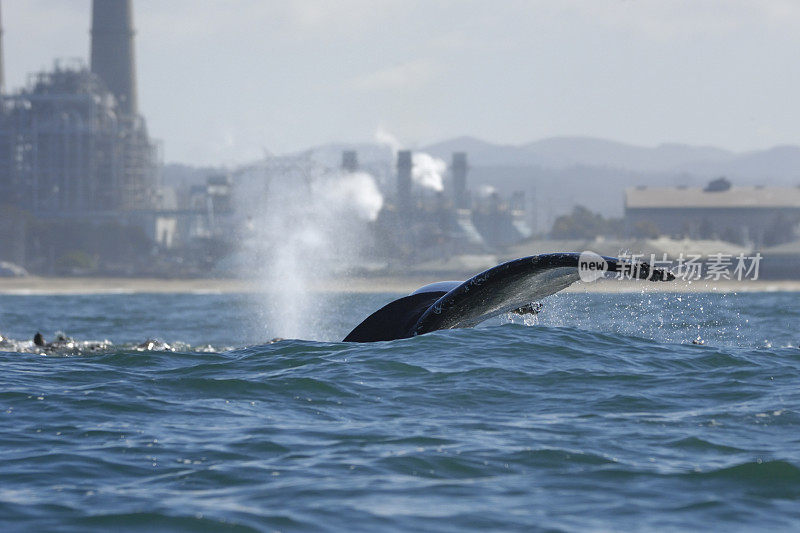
x: 571, y: 426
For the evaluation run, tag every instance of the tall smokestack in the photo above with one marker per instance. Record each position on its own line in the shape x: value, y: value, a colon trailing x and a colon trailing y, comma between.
x: 112, y: 50
x: 349, y: 161
x: 2, y: 69
x: 404, y: 166
x: 459, y: 170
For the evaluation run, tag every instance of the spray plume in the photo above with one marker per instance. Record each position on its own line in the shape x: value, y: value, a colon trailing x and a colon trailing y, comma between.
x: 309, y: 224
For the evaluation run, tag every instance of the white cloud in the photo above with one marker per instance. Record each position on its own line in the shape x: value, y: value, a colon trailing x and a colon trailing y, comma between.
x: 406, y: 76
x: 675, y: 19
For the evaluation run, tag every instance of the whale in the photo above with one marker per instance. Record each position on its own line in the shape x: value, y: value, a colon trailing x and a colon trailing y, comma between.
x: 511, y: 287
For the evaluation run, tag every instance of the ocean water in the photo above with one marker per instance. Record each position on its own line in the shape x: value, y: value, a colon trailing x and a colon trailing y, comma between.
x: 602, y: 415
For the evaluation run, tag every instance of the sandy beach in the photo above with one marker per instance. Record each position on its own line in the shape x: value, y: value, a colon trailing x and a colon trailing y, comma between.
x: 388, y: 284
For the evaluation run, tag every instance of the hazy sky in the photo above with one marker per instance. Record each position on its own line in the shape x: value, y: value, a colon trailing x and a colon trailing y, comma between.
x: 220, y: 81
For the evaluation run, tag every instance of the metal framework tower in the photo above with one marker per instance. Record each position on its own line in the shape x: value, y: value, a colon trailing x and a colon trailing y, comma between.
x: 2, y: 70
x: 63, y: 143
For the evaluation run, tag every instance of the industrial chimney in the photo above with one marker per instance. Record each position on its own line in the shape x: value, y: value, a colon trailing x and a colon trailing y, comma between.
x: 404, y: 166
x: 2, y: 71
x: 349, y: 161
x: 112, y: 53
x: 459, y: 172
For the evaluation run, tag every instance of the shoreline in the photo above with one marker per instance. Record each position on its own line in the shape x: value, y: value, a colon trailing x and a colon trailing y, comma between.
x: 365, y: 285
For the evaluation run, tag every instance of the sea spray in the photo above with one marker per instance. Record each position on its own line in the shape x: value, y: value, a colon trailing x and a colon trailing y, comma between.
x: 309, y: 224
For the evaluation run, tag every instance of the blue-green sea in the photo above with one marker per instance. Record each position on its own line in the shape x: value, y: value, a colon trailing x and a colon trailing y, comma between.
x: 602, y: 415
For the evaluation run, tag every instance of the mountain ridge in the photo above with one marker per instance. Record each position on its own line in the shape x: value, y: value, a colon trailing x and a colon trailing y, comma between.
x: 781, y: 162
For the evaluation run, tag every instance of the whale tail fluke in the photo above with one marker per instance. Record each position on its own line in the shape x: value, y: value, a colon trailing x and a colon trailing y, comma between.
x: 509, y: 287
x: 394, y: 320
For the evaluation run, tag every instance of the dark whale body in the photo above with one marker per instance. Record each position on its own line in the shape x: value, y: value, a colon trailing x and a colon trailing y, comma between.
x: 505, y: 288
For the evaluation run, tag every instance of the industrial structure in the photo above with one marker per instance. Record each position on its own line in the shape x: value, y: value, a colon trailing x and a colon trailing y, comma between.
x: 112, y: 52
x: 68, y: 149
x: 79, y: 172
x: 350, y: 161
x: 420, y: 224
x: 73, y: 146
x: 72, y: 140
x: 755, y: 216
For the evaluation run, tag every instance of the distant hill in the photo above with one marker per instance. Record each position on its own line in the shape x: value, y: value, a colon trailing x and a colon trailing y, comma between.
x: 482, y: 152
x: 780, y: 164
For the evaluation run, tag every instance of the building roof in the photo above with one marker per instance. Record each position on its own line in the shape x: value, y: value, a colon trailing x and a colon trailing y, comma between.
x: 618, y: 247
x: 695, y: 197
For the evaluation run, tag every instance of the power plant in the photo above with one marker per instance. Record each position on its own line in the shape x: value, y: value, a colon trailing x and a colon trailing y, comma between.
x: 79, y: 179
x: 74, y: 149
x: 72, y: 139
x: 419, y: 224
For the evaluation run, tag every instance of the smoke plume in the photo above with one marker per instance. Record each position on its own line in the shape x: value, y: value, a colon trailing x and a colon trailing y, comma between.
x: 428, y: 171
